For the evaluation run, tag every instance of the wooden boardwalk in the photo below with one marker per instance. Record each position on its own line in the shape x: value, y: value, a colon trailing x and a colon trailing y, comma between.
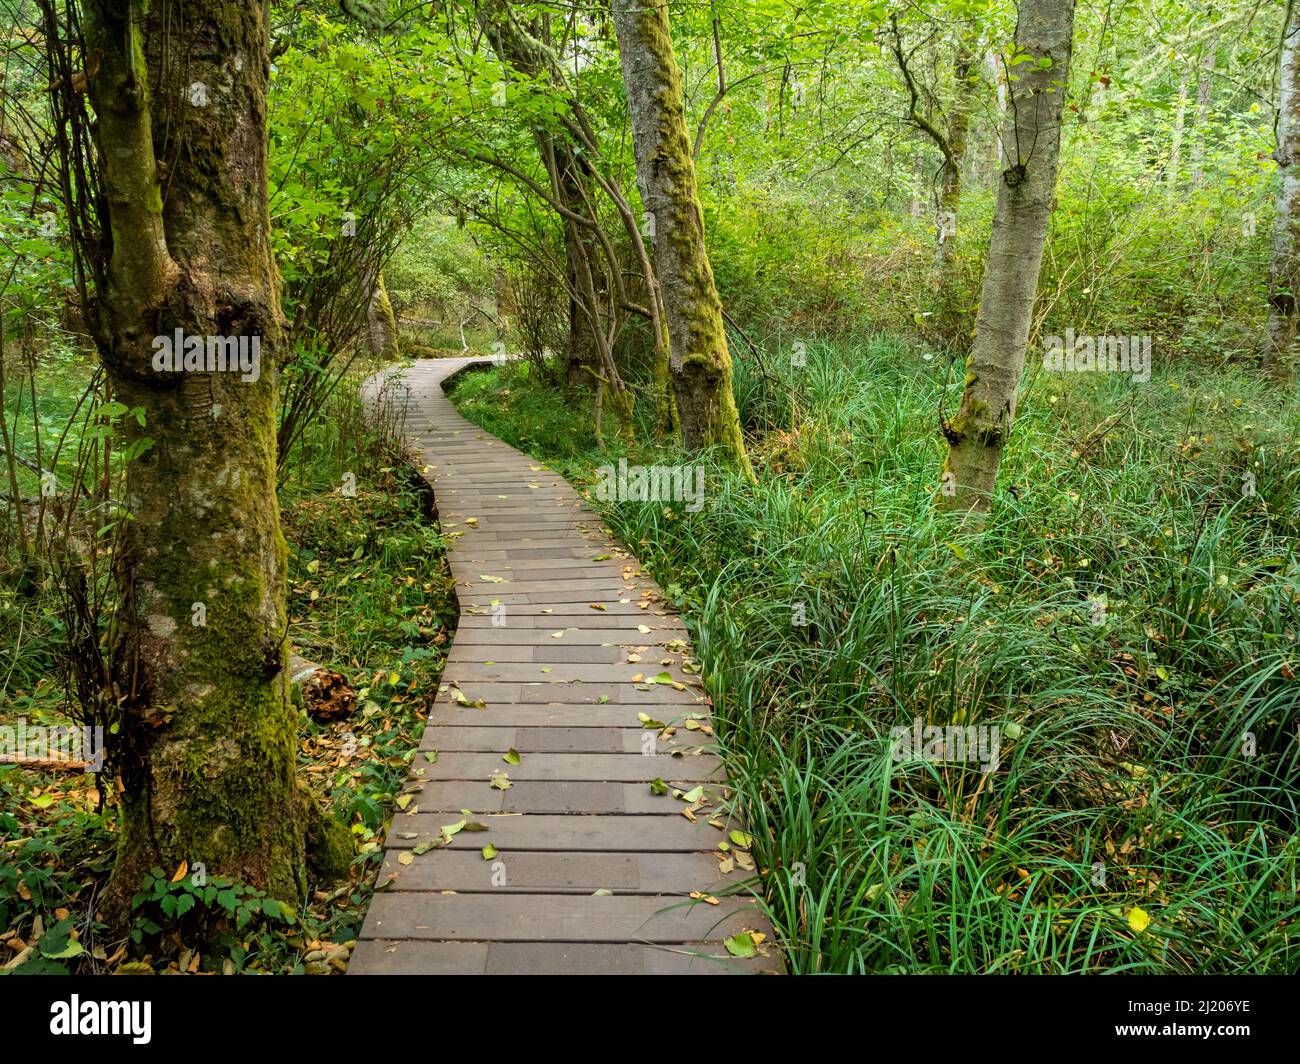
x: 590, y: 871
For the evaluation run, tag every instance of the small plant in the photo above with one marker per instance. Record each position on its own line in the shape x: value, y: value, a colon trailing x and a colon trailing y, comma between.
x: 217, y: 919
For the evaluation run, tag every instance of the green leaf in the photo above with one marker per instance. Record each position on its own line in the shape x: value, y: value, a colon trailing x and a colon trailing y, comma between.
x: 741, y: 945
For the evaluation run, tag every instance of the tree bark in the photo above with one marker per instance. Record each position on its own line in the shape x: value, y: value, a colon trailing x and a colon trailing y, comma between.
x: 573, y: 177
x: 205, y: 752
x: 950, y: 177
x: 700, y: 363
x: 1032, y: 140
x: 950, y: 192
x: 582, y: 356
x: 1284, y: 271
x: 1176, y: 146
x: 382, y: 323
x: 1204, y: 97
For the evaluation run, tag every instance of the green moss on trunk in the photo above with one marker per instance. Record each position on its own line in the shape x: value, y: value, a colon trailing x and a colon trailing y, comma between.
x: 700, y: 362
x: 205, y: 751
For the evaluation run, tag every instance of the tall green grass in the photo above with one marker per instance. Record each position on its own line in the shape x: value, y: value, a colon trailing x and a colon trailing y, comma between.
x: 1130, y: 616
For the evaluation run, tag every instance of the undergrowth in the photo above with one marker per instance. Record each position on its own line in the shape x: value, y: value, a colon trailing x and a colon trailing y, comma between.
x: 369, y: 597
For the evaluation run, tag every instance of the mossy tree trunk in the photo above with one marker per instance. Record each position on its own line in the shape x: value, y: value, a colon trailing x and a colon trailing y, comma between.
x: 1032, y: 141
x: 700, y: 363
x: 381, y: 322
x: 1284, y: 271
x: 206, y: 748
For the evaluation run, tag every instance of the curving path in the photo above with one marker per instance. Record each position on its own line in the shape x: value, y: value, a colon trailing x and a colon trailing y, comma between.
x: 591, y: 872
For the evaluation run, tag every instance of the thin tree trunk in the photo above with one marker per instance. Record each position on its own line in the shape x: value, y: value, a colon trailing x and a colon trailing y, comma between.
x: 1204, y: 97
x: 700, y: 361
x: 1032, y: 140
x: 950, y: 177
x: 580, y: 246
x: 1284, y: 272
x: 515, y: 45
x: 1176, y: 146
x: 919, y: 194
x: 206, y: 747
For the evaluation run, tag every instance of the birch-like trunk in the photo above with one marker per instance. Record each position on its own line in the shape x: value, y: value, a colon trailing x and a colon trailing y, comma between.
x: 950, y: 176
x: 206, y: 748
x: 700, y: 363
x: 1032, y: 141
x: 1284, y: 272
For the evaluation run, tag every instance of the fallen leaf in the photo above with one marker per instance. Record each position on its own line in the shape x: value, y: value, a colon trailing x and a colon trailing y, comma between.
x: 741, y: 945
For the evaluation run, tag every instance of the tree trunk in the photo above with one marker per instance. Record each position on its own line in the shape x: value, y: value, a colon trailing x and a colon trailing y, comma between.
x: 950, y: 190
x: 572, y: 156
x: 700, y: 364
x: 919, y: 190
x: 1284, y: 272
x: 1204, y: 97
x: 950, y: 177
x: 205, y: 752
x: 1032, y: 140
x: 580, y: 247
x: 1176, y: 147
x: 382, y: 323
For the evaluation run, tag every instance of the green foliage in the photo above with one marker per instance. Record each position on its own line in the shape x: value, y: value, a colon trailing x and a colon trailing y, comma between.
x: 232, y: 920
x: 436, y: 271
